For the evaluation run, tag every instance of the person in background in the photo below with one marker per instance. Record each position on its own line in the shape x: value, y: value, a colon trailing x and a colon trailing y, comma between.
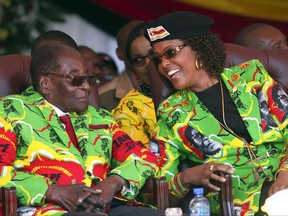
x: 135, y: 112
x: 67, y: 168
x: 262, y: 36
x: 222, y: 104
x: 89, y: 54
x: 111, y: 92
x: 109, y: 69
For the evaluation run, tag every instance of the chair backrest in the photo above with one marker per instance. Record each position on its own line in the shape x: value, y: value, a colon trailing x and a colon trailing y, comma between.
x: 15, y: 76
x: 14, y: 73
x: 275, y: 62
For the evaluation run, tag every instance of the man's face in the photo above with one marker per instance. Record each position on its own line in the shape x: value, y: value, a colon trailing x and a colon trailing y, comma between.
x: 262, y: 104
x: 62, y: 93
x: 207, y: 145
x: 271, y: 38
x: 283, y: 99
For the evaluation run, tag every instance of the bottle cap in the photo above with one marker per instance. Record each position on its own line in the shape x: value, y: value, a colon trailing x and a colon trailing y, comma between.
x: 198, y: 191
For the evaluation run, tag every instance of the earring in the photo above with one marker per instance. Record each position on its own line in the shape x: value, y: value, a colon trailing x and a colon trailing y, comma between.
x: 198, y: 64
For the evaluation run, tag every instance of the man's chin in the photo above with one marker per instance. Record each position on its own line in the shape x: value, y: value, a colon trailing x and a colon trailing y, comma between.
x: 81, y: 107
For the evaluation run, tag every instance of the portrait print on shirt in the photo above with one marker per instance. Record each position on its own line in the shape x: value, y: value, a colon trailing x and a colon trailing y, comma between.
x: 281, y: 100
x: 267, y: 121
x: 204, y: 144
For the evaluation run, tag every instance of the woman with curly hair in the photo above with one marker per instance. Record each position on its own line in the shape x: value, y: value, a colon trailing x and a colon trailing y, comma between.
x: 214, y: 118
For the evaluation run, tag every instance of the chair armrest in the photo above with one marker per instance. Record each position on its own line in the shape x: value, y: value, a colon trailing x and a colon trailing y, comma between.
x: 9, y: 201
x: 161, y: 196
x: 158, y: 188
x: 226, y: 196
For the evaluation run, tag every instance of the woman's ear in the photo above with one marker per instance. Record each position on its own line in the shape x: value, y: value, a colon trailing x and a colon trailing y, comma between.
x: 119, y: 53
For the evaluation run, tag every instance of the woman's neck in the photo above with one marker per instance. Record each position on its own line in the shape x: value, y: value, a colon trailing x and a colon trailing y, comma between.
x: 204, y: 83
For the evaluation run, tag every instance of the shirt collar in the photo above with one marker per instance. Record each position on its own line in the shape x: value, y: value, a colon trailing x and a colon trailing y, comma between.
x: 58, y: 111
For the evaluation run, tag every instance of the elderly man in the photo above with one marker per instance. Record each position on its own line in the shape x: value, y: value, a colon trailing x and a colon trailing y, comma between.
x: 56, y: 166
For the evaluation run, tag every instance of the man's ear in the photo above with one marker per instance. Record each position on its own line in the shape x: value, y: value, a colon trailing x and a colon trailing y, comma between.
x: 120, y: 54
x: 44, y: 84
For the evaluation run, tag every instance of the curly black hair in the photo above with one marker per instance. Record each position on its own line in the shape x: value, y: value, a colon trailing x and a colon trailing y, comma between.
x: 210, y: 51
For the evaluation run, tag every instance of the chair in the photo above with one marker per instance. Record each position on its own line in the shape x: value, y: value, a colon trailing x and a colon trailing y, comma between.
x: 8, y: 200
x: 275, y: 62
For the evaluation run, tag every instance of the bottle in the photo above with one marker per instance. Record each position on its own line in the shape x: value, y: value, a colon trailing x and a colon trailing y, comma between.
x: 199, y: 205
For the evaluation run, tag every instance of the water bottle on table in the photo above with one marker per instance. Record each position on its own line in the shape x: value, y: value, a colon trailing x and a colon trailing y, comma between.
x: 199, y: 205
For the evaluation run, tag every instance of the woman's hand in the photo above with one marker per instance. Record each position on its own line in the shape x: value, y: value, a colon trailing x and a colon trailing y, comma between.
x: 204, y: 175
x: 280, y: 183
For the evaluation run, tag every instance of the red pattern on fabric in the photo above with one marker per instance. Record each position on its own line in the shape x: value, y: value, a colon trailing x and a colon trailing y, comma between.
x: 162, y: 158
x: 51, y: 115
x: 43, y: 129
x: 123, y: 146
x: 7, y: 147
x: 97, y: 127
x: 101, y: 171
x: 58, y: 171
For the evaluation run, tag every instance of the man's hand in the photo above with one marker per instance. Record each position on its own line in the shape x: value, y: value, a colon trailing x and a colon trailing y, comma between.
x: 91, y: 201
x: 66, y: 196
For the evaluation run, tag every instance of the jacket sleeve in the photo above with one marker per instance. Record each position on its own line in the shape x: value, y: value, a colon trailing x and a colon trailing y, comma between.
x: 132, y: 161
x: 27, y: 192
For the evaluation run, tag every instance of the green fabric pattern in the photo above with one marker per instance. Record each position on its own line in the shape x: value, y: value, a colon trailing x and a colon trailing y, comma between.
x: 29, y: 125
x: 183, y: 111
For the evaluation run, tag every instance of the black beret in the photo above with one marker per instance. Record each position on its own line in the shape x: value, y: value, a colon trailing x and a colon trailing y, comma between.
x: 177, y: 25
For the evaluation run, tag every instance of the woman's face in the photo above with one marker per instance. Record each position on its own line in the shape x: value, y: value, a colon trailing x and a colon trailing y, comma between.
x: 139, y: 50
x: 180, y: 67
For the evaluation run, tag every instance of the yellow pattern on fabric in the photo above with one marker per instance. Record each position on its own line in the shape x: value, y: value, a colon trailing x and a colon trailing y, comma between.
x: 135, y: 115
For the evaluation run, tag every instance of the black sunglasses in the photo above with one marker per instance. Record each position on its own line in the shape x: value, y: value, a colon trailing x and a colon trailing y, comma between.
x: 168, y: 54
x: 75, y: 79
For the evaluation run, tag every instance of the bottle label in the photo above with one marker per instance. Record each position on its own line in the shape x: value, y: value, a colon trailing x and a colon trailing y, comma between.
x: 200, y: 211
